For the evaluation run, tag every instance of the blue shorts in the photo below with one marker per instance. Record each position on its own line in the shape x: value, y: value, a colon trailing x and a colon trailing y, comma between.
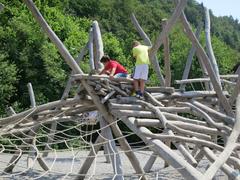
x: 118, y: 75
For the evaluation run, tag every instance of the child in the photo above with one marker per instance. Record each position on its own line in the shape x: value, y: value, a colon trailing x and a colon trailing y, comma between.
x: 112, y: 68
x: 140, y: 53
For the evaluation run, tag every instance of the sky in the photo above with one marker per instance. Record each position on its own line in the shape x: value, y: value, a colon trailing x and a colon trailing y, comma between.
x: 223, y: 7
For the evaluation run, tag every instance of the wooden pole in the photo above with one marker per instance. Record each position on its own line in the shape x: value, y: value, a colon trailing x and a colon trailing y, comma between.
x: 91, y: 50
x: 166, y: 51
x: 209, y: 46
x: 190, y: 58
x: 98, y: 46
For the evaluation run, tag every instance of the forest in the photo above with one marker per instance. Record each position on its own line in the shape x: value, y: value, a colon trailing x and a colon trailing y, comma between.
x: 27, y: 55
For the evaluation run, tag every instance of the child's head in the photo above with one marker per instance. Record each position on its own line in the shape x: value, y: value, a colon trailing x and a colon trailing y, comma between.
x: 135, y: 43
x: 105, y: 59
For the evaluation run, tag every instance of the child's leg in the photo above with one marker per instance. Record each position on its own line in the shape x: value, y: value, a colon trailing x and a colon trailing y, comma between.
x: 136, y: 86
x: 142, y: 85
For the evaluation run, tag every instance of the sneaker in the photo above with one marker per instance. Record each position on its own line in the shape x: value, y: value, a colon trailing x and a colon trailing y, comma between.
x: 137, y: 96
x: 133, y: 94
x: 141, y: 97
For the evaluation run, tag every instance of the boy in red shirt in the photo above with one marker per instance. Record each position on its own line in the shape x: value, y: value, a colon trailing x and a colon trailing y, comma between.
x: 112, y: 68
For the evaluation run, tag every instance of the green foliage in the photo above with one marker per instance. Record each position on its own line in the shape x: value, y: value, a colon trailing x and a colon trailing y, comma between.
x: 226, y: 57
x: 113, y: 48
x: 8, y: 81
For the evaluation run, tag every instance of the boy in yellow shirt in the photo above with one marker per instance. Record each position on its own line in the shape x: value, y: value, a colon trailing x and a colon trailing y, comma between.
x: 140, y: 53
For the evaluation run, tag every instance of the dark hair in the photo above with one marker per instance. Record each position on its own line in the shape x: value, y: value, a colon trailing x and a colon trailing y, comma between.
x: 105, y: 58
x: 135, y: 43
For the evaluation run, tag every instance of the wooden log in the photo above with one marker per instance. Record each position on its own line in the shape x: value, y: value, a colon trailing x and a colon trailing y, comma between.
x: 148, y: 114
x: 82, y: 53
x: 113, y: 152
x: 186, y: 154
x: 204, y: 115
x: 166, y: 52
x: 31, y: 154
x: 165, y: 152
x: 188, y: 133
x: 108, y: 96
x: 225, y: 168
x: 13, y: 161
x: 147, y: 41
x: 190, y: 58
x: 200, y: 155
x: 166, y: 30
x: 235, y: 92
x: 230, y: 146
x: 150, y: 162
x: 31, y: 94
x: 207, y: 64
x: 200, y: 80
x: 153, y: 100
x: 53, y: 37
x: 78, y: 77
x: 210, y: 52
x: 91, y: 50
x: 69, y: 82
x: 227, y: 119
x: 158, y: 113
x: 183, y: 125
x: 117, y: 89
x: 55, y: 104
x: 98, y: 45
x: 10, y: 111
x: 126, y: 113
x: 187, y: 94
x: 230, y: 76
x: 161, y: 89
x: 183, y: 139
x: 122, y: 106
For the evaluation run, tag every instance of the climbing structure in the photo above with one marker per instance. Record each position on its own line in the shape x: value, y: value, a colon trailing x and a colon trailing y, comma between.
x: 194, y: 132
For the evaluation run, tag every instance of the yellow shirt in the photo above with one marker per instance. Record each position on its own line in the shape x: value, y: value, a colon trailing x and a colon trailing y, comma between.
x: 140, y: 52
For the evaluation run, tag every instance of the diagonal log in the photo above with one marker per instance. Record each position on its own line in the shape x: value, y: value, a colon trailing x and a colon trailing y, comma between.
x: 225, y: 168
x: 166, y: 30
x: 202, y: 54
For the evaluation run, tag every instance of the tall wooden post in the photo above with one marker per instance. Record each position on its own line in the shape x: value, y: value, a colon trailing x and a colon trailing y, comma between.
x: 166, y: 51
x: 209, y: 46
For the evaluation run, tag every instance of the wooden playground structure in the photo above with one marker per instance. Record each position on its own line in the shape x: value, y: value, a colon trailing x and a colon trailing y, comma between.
x: 180, y: 126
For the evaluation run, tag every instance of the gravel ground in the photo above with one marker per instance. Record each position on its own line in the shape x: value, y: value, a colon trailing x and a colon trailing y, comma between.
x: 65, y: 165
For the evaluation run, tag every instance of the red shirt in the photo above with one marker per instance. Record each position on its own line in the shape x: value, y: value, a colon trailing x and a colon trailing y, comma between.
x: 114, y: 64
